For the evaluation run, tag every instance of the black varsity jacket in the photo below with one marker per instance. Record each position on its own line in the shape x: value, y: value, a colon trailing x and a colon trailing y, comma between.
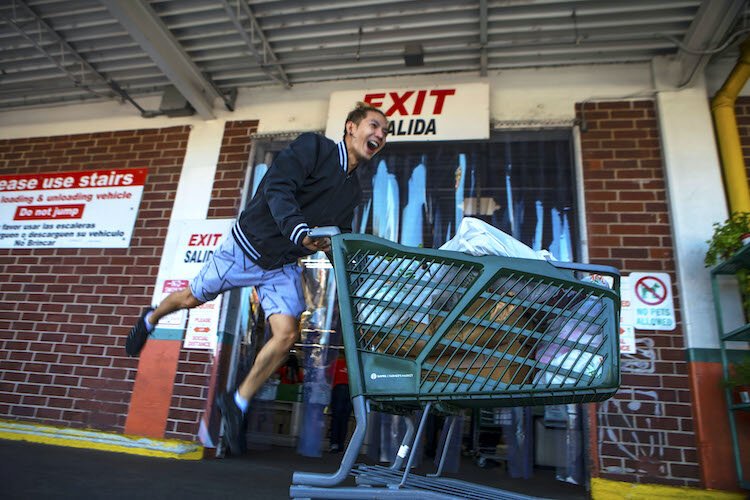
x: 306, y: 186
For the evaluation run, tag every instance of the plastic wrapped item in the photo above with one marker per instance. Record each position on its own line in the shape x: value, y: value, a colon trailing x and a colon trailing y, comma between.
x: 311, y: 434
x: 392, y: 431
x: 476, y: 237
x: 385, y: 435
x: 578, y: 329
x: 520, y: 440
x: 386, y: 289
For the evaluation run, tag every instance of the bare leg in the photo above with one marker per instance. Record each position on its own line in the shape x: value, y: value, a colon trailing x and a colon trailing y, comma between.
x: 182, y: 299
x: 272, y: 355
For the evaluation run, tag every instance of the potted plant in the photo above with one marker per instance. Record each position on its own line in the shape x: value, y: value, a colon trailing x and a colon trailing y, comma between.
x: 739, y: 380
x: 727, y: 239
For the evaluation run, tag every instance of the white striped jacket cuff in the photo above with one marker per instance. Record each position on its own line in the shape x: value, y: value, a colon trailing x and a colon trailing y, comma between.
x: 299, y: 232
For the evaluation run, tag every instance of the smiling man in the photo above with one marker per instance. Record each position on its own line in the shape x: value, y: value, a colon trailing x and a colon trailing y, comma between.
x: 309, y: 184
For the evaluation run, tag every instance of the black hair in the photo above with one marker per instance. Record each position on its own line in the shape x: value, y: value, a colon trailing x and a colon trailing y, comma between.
x: 360, y: 112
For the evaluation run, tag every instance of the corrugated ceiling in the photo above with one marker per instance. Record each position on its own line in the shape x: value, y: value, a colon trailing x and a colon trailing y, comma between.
x: 54, y: 51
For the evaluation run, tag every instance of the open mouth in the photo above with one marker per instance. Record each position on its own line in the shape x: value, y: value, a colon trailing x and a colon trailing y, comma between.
x: 372, y: 146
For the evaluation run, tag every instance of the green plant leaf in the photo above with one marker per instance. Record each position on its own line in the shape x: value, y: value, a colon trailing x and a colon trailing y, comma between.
x: 727, y: 238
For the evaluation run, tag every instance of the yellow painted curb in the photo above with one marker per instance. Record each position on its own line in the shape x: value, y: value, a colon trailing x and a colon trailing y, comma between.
x: 99, y: 440
x: 605, y: 489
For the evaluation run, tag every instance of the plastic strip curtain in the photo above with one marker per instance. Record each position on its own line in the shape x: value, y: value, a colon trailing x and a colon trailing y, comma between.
x: 319, y: 328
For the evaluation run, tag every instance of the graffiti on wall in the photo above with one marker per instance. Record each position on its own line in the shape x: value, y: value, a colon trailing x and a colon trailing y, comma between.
x: 627, y: 420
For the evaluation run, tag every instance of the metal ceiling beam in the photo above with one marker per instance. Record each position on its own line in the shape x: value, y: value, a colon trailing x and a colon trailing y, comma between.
x: 709, y: 28
x: 77, y: 81
x: 67, y: 49
x: 483, y: 37
x: 146, y: 28
x: 256, y: 41
x: 78, y: 78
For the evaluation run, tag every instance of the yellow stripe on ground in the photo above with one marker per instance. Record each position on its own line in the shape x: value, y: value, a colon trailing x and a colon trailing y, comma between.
x: 98, y: 440
x: 605, y: 489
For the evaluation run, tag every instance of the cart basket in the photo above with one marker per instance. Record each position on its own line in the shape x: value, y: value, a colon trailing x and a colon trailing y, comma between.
x: 422, y: 325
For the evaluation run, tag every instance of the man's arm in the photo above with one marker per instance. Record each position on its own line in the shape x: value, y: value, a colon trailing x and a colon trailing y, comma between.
x: 289, y: 171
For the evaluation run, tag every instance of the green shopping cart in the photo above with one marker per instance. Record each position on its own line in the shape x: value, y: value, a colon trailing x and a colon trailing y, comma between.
x: 436, y: 330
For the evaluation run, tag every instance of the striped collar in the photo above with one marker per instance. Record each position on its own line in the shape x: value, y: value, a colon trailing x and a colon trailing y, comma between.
x: 343, y: 156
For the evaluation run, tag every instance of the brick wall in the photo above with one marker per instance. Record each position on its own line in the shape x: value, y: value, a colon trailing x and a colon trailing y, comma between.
x: 65, y: 312
x: 194, y: 368
x: 230, y: 172
x: 742, y: 111
x: 645, y: 433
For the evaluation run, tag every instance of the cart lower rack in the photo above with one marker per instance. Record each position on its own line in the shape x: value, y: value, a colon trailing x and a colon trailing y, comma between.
x: 444, y: 331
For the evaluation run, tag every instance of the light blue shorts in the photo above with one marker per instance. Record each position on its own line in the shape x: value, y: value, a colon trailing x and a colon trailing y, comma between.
x: 280, y: 290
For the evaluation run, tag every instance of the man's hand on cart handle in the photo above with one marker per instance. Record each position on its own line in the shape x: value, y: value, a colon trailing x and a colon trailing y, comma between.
x: 319, y: 238
x: 317, y: 244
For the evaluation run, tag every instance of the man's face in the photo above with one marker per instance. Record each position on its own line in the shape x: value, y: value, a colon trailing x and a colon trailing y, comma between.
x: 367, y: 137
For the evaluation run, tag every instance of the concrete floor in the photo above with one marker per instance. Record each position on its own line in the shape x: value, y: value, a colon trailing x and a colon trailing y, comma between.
x: 35, y: 471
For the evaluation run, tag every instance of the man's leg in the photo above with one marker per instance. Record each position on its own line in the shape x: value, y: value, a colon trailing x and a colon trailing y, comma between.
x: 138, y: 335
x: 211, y: 280
x: 280, y: 293
x: 182, y: 299
x: 272, y: 355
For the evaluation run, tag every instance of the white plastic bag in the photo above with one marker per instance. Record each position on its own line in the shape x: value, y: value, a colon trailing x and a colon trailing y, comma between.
x: 476, y: 237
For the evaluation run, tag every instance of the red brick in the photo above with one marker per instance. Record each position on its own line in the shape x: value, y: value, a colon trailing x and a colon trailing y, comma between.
x: 684, y: 470
x: 641, y: 241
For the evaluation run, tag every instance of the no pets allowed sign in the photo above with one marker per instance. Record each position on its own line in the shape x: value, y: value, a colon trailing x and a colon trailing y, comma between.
x: 653, y: 305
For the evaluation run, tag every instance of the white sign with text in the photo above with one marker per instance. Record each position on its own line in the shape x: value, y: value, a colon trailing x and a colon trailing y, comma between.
x: 627, y: 340
x: 202, y: 327
x: 197, y: 240
x: 83, y: 209
x: 434, y: 113
x: 652, y: 302
x: 627, y: 317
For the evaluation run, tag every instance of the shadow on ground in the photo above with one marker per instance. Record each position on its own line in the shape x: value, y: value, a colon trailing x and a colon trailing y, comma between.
x: 35, y: 471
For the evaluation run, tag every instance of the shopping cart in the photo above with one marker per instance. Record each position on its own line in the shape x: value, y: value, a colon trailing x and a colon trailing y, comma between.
x: 443, y: 331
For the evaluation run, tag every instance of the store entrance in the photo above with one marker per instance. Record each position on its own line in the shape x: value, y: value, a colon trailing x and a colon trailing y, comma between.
x: 418, y: 194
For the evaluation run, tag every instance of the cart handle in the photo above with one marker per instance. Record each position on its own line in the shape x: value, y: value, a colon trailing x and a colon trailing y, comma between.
x: 614, y: 273
x: 610, y: 271
x: 323, y: 232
